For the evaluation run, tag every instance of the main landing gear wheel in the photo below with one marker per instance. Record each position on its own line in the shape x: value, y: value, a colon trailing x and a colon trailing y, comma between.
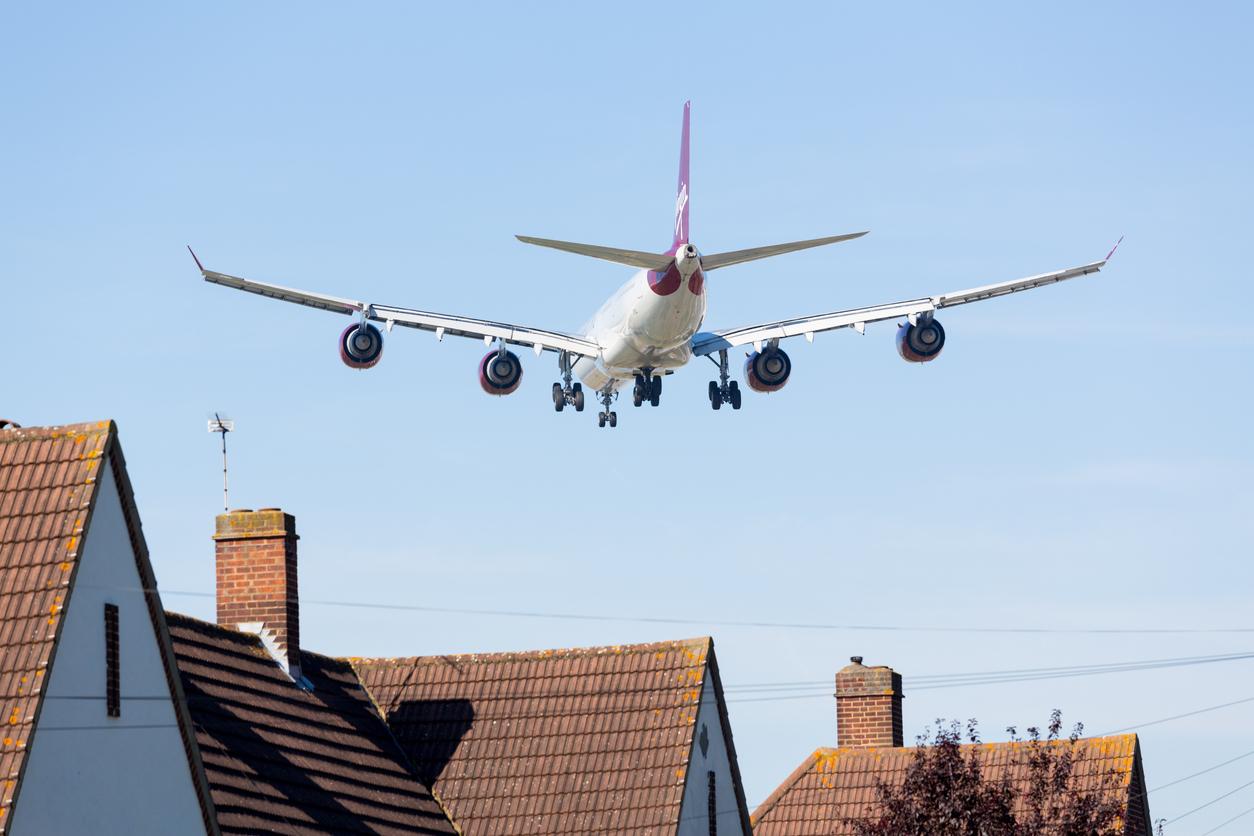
x: 655, y: 390
x: 567, y: 392
x: 724, y: 390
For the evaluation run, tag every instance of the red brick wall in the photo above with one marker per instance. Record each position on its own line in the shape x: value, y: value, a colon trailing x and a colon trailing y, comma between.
x: 868, y: 707
x: 256, y: 574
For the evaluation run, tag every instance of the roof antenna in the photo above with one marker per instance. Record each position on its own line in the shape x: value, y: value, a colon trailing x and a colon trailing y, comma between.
x: 218, y: 424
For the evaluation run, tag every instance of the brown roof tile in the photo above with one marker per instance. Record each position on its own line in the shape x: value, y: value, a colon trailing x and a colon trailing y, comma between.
x: 48, y: 478
x: 591, y: 740
x: 833, y: 786
x: 282, y: 759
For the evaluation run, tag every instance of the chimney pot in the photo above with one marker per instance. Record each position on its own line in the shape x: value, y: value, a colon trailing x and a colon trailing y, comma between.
x: 857, y: 660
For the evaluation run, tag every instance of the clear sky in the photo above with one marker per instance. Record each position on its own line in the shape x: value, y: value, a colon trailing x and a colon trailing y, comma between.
x: 1079, y: 457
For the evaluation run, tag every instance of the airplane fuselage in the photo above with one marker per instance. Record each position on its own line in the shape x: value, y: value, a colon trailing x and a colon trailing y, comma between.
x: 648, y: 324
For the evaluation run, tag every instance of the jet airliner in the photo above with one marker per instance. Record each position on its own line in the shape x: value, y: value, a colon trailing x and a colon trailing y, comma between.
x: 652, y: 325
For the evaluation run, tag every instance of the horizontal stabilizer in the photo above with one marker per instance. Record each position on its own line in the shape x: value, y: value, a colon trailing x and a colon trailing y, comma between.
x: 717, y: 260
x: 632, y: 258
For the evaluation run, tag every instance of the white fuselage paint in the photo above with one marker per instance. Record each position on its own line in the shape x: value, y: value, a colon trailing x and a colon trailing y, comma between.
x: 639, y: 329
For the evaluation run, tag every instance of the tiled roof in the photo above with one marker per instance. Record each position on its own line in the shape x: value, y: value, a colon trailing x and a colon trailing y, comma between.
x: 835, y: 785
x: 280, y: 759
x: 591, y: 740
x: 48, y: 480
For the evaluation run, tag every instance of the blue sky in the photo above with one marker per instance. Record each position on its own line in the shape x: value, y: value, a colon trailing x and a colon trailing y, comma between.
x: 1078, y: 458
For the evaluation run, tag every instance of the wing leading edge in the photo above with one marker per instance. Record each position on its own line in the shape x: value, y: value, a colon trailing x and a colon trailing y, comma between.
x: 440, y: 324
x: 857, y: 318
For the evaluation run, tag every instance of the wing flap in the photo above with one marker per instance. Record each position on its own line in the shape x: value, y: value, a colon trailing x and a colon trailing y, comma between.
x: 711, y: 341
x: 442, y: 324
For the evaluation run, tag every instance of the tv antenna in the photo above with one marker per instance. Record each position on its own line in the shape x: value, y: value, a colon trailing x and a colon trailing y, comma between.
x: 218, y: 424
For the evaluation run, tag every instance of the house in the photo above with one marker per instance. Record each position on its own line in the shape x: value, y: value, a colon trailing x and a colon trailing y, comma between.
x: 625, y: 739
x: 124, y: 719
x: 136, y: 720
x: 835, y: 785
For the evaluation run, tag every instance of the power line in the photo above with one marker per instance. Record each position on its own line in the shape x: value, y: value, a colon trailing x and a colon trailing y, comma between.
x: 1179, y: 716
x: 1212, y: 801
x: 1229, y: 821
x: 1203, y: 772
x: 775, y: 625
x: 959, y: 680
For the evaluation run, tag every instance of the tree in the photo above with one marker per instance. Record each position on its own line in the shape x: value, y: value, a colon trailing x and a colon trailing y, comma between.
x: 949, y: 791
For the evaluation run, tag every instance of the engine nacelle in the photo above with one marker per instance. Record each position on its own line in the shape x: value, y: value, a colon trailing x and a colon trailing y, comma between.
x: 920, y: 343
x: 767, y: 371
x: 361, y: 346
x: 500, y: 374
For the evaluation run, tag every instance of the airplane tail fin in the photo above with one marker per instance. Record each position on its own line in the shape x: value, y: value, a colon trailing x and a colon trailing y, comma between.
x: 632, y: 258
x: 717, y: 260
x: 681, y: 190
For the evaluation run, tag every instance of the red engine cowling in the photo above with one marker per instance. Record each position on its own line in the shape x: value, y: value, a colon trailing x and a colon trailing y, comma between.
x: 920, y: 343
x: 361, y: 346
x: 767, y: 371
x: 500, y: 374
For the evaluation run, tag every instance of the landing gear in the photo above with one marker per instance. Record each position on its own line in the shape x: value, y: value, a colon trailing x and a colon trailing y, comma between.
x: 567, y: 392
x: 648, y: 388
x: 724, y: 390
x: 606, y: 416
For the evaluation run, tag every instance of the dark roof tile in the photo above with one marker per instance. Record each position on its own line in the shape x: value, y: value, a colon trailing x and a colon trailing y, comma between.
x: 282, y: 759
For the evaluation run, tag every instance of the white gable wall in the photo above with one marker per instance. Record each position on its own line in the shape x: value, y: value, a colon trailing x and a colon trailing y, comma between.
x: 88, y: 772
x: 694, y: 812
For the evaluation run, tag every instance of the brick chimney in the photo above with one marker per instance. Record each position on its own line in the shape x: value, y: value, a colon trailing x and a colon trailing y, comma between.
x: 868, y: 706
x: 256, y: 572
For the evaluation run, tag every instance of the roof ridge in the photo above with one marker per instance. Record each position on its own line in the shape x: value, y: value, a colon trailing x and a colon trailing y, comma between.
x: 16, y: 433
x: 701, y: 642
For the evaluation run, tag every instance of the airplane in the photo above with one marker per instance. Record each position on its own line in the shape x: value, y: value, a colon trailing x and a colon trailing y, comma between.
x: 652, y: 325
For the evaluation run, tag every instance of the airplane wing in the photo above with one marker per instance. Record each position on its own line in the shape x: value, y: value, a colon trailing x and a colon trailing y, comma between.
x: 857, y: 318
x: 441, y: 324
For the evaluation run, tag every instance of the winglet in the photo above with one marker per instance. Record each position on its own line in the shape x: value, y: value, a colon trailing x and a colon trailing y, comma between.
x: 1112, y: 249
x: 199, y: 266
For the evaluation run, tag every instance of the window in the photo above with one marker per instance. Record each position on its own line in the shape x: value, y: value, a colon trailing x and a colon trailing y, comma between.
x: 113, y: 679
x: 713, y: 802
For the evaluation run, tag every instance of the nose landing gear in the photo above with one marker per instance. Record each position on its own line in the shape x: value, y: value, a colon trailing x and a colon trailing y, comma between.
x: 567, y: 392
x: 606, y: 416
x: 648, y: 388
x: 724, y: 390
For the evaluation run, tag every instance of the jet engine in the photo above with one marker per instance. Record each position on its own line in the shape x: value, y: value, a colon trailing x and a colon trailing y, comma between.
x: 767, y: 371
x: 361, y: 346
x: 500, y: 374
x: 920, y: 343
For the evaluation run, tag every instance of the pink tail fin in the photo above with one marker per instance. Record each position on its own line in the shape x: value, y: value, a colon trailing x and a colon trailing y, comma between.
x: 681, y: 197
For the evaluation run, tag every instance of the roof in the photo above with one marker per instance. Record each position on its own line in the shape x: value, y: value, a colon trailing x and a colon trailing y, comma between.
x: 280, y: 758
x: 47, y: 491
x: 555, y: 741
x: 835, y: 785
x: 48, y: 488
